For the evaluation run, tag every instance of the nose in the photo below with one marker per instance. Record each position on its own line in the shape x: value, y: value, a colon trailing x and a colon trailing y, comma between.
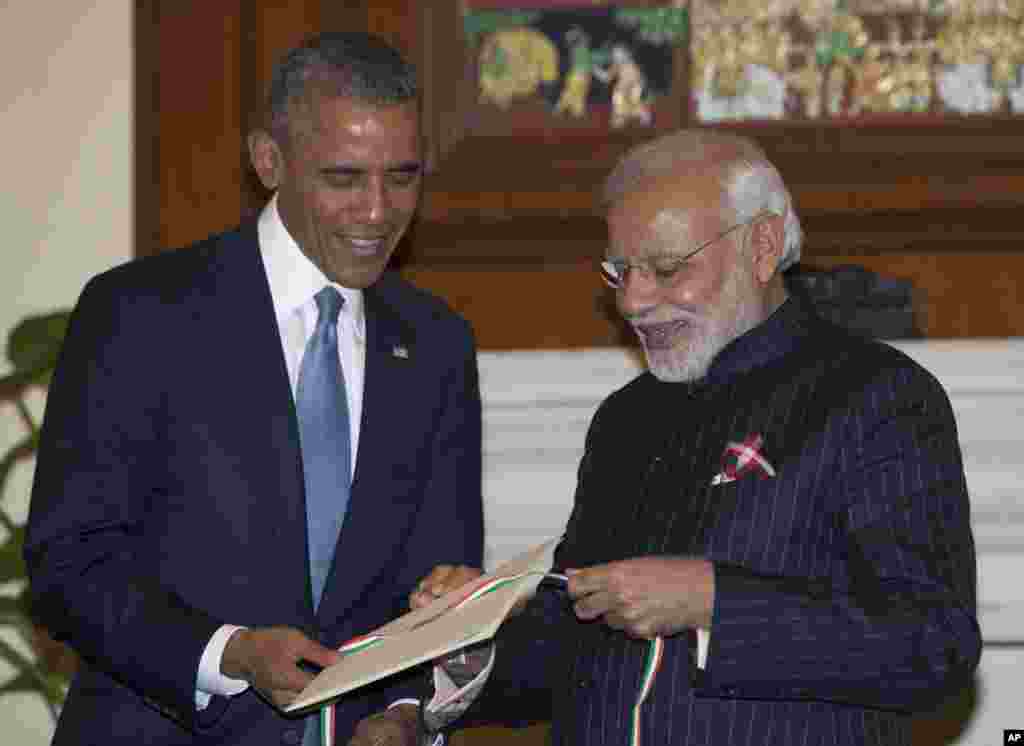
x: 376, y: 200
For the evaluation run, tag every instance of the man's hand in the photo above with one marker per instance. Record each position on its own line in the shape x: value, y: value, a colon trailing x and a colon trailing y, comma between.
x: 646, y: 597
x: 398, y: 726
x: 441, y: 580
x: 267, y: 658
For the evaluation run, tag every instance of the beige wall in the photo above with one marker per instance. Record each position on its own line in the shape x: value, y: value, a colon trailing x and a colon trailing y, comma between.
x: 66, y: 204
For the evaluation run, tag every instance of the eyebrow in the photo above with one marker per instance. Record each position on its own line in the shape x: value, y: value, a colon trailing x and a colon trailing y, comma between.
x: 666, y: 256
x: 406, y: 167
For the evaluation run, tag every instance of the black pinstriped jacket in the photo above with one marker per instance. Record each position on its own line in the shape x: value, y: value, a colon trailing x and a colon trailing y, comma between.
x: 845, y: 583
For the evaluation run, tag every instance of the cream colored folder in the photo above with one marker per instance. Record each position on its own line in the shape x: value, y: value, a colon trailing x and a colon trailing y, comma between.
x: 434, y: 631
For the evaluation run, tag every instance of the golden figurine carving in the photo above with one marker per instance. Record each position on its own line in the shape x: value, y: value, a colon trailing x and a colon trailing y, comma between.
x: 629, y: 89
x: 576, y: 86
x: 513, y: 64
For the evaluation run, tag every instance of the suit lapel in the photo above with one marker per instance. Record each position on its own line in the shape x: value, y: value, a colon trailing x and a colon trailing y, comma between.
x: 255, y: 398
x: 370, y: 538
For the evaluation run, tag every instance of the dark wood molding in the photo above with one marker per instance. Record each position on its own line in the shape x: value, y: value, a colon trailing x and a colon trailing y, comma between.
x: 538, y: 239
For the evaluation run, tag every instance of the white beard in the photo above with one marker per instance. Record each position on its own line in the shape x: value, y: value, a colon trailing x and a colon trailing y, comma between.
x: 737, y: 313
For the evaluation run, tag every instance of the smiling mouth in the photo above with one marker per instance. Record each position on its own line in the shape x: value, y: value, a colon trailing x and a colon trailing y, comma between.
x: 368, y: 247
x: 661, y: 335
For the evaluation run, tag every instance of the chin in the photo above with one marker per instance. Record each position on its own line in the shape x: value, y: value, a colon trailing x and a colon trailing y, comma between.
x: 675, y: 367
x: 686, y: 361
x: 359, y: 276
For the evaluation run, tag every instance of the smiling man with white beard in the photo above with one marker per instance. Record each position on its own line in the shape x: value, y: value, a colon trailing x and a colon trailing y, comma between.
x: 770, y: 541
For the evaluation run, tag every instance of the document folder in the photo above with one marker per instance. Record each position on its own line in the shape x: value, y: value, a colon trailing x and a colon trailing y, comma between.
x: 458, y: 619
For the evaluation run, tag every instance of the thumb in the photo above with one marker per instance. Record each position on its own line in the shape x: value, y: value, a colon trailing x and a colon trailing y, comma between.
x: 316, y: 653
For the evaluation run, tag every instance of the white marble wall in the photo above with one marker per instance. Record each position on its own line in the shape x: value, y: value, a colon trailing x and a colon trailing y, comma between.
x: 537, y: 406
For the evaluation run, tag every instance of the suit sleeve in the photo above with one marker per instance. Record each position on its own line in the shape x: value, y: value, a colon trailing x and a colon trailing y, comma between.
x: 894, y: 625
x: 97, y: 476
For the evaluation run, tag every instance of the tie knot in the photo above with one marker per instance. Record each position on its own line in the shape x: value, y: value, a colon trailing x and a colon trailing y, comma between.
x: 329, y: 303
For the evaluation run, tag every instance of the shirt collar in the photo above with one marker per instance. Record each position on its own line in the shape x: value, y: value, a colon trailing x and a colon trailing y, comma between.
x: 293, y: 278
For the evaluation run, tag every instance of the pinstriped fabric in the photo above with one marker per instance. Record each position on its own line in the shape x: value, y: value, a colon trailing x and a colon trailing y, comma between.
x: 844, y: 585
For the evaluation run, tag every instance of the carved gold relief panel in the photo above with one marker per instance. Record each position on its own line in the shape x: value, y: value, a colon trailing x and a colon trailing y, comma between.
x: 870, y: 59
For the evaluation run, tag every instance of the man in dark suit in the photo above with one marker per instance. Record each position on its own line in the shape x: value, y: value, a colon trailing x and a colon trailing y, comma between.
x: 253, y: 447
x: 770, y: 541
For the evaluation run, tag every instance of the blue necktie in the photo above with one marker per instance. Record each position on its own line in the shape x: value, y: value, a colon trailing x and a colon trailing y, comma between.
x: 324, y: 435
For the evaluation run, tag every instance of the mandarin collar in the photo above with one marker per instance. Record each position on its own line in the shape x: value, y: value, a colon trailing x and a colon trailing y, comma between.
x: 770, y: 340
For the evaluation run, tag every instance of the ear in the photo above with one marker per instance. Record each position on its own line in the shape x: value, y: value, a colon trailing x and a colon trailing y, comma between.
x: 767, y: 244
x: 266, y: 158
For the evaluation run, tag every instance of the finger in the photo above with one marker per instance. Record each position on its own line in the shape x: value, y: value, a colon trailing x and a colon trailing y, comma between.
x: 279, y: 698
x: 585, y: 582
x: 595, y: 605
x: 455, y: 577
x: 389, y: 728
x: 438, y: 583
x: 521, y: 605
x: 322, y: 656
x: 422, y: 594
x: 419, y: 599
x: 640, y: 628
x: 437, y: 574
x: 286, y: 678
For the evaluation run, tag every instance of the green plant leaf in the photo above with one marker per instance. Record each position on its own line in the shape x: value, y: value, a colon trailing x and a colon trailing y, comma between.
x: 32, y: 348
x: 33, y: 345
x: 12, y: 565
x: 20, y: 683
x: 12, y: 611
x: 18, y: 452
x: 52, y: 692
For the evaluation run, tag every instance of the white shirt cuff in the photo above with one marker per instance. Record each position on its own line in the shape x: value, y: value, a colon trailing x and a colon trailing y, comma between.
x: 703, y: 641
x: 450, y: 700
x: 210, y: 681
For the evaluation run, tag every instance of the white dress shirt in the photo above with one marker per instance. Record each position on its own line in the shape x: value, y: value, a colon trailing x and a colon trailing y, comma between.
x: 294, y: 281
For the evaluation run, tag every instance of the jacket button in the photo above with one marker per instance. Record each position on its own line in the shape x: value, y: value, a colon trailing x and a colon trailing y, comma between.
x: 583, y: 683
x: 291, y: 738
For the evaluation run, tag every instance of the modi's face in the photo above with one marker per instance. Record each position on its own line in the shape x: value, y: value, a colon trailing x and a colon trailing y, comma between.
x: 688, y: 287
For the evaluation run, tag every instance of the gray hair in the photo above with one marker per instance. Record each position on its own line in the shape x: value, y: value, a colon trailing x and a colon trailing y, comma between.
x: 347, y: 64
x: 750, y: 183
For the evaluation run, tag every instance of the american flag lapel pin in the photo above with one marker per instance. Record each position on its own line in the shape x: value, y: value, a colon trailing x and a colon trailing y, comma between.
x: 400, y: 351
x: 741, y: 458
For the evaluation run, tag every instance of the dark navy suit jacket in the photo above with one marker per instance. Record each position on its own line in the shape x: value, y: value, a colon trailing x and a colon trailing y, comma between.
x: 844, y: 584
x: 169, y: 492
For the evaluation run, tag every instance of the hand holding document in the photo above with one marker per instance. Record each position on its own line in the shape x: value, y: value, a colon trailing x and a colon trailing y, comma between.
x: 458, y: 619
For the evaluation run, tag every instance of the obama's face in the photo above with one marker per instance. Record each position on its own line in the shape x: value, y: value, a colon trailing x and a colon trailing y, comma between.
x: 348, y: 176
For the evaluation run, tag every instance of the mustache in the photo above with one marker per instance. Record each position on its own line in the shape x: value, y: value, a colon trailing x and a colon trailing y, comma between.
x: 658, y: 316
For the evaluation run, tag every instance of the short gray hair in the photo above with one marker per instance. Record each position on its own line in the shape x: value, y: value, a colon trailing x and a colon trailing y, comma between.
x: 348, y: 64
x: 750, y: 183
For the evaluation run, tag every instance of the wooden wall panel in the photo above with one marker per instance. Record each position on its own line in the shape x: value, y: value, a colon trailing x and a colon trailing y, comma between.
x: 960, y: 294
x: 509, y: 220
x: 270, y: 31
x: 963, y: 294
x: 195, y: 70
x: 509, y: 230
x: 510, y: 307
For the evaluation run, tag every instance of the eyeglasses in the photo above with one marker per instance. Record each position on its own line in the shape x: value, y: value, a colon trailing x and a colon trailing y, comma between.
x: 665, y: 270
